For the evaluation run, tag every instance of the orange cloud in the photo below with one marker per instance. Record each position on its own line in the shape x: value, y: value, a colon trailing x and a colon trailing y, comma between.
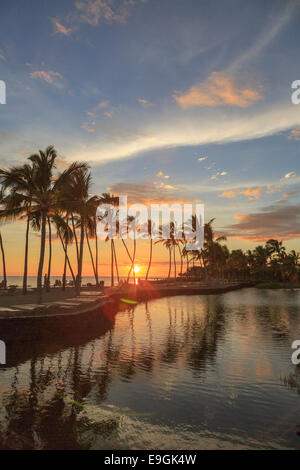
x: 294, y: 134
x: 280, y: 221
x: 60, y: 28
x: 218, y: 90
x: 230, y: 194
x: 251, y: 193
x: 151, y: 193
x: 48, y: 77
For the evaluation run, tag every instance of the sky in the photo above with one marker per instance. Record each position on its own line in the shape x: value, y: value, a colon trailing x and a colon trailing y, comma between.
x: 168, y: 100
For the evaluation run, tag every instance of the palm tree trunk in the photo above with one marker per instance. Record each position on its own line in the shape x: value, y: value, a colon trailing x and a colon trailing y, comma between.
x: 65, y: 271
x: 116, y: 262
x: 133, y: 259
x: 50, y: 256
x: 181, y: 258
x: 170, y: 262
x: 129, y: 256
x: 66, y: 254
x: 174, y: 259
x: 78, y: 280
x: 150, y: 258
x: 91, y: 255
x: 4, y: 264
x: 112, y: 263
x: 75, y: 237
x: 41, y: 261
x: 26, y: 258
x: 204, y: 264
x: 96, y: 244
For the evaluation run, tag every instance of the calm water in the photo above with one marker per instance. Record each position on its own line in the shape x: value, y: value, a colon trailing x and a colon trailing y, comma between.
x: 188, y: 372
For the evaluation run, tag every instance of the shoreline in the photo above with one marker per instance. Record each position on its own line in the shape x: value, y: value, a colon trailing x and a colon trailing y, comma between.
x: 66, y: 303
x: 89, y: 300
x: 79, y: 318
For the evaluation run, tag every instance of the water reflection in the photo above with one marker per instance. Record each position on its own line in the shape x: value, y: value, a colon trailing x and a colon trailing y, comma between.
x: 181, y: 372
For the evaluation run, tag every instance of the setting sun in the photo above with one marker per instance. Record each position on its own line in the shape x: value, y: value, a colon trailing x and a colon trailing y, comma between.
x: 137, y: 269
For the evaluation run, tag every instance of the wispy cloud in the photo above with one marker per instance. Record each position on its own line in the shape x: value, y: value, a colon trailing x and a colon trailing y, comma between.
x: 218, y: 90
x: 144, y: 102
x: 60, y: 28
x: 218, y: 174
x: 89, y: 126
x: 95, y: 11
x: 289, y: 175
x: 95, y: 109
x: 271, y: 30
x: 2, y: 56
x: 161, y: 174
x: 148, y: 192
x: 171, y: 129
x: 47, y: 76
x: 108, y: 114
x: 251, y: 193
x: 294, y: 134
x: 280, y: 221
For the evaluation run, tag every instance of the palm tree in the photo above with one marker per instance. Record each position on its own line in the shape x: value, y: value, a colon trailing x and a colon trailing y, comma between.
x: 150, y: 232
x: 50, y: 255
x: 74, y: 196
x: 38, y: 187
x: 107, y: 198
x: 261, y: 255
x: 3, y: 263
x: 238, y: 263
x: 136, y: 227
x: 20, y: 180
x: 2, y: 201
x: 168, y: 245
x: 43, y: 166
x: 181, y: 241
x: 212, y: 247
x: 66, y: 235
x: 290, y: 265
x: 275, y: 247
x: 91, y: 231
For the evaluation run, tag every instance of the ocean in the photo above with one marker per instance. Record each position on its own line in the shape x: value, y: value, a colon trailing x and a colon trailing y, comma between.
x: 18, y: 280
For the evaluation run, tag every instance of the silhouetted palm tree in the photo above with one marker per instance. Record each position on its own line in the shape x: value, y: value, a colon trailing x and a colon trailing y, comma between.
x: 20, y: 181
x: 150, y: 233
x: 107, y: 198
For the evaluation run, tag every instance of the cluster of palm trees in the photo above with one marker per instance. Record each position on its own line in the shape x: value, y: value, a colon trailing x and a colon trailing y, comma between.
x: 269, y: 262
x: 48, y: 199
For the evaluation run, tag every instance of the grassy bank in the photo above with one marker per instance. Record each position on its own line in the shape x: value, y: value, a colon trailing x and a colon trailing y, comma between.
x: 277, y: 285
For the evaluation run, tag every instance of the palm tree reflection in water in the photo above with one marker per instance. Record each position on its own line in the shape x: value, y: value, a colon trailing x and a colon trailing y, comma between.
x: 164, y: 365
x: 53, y: 413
